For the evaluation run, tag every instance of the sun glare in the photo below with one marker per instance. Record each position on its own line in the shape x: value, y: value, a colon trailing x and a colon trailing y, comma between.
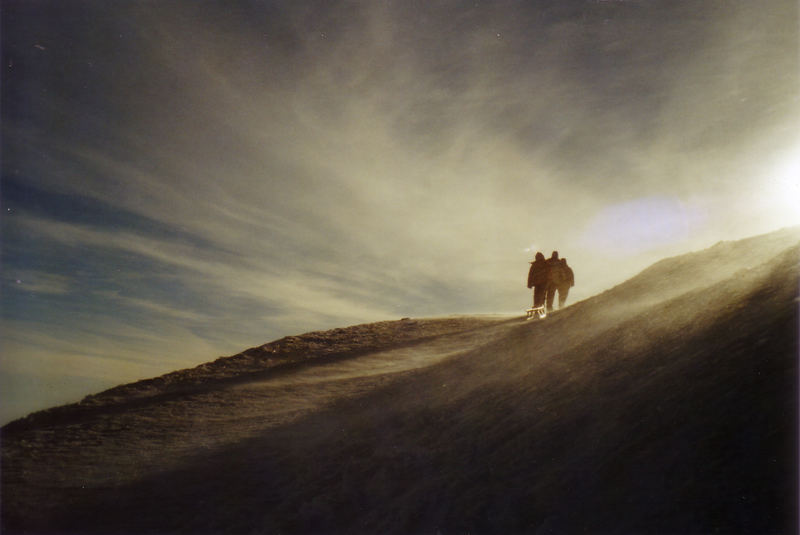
x: 782, y: 189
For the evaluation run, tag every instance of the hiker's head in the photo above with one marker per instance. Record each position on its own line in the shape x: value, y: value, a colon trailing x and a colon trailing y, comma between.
x: 554, y: 255
x: 539, y: 256
x: 564, y: 261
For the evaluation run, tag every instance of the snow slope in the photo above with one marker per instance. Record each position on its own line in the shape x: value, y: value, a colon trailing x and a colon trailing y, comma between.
x: 664, y: 405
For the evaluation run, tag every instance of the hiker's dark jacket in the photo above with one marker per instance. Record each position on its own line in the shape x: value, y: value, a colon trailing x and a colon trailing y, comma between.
x: 555, y: 273
x: 537, y: 275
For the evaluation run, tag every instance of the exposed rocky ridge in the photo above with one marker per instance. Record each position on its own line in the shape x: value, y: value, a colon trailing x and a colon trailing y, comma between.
x: 280, y: 356
x: 290, y: 350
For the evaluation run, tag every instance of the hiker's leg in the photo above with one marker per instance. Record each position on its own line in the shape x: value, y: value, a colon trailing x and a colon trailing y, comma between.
x: 563, y: 292
x: 539, y: 293
x: 551, y: 294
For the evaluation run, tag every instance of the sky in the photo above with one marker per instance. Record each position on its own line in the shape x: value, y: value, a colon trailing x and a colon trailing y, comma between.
x: 182, y: 180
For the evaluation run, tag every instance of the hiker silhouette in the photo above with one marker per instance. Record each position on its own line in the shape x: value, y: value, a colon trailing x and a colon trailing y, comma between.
x: 537, y: 279
x: 555, y: 278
